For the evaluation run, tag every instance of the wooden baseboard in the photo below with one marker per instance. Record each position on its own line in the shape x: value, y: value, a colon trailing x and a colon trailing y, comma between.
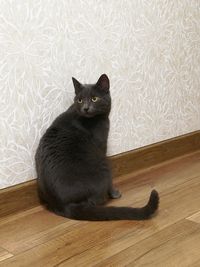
x: 18, y: 198
x: 24, y: 196
x: 155, y: 154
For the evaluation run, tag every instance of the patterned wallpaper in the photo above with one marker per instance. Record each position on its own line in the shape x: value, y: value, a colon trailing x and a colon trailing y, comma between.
x: 150, y: 49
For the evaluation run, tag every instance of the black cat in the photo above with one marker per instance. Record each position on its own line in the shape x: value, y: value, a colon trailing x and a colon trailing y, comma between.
x: 74, y: 176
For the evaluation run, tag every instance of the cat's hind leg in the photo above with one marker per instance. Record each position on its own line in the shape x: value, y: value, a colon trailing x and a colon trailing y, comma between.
x: 97, y: 200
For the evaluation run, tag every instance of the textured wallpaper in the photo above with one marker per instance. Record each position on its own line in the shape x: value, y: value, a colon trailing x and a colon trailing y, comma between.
x: 150, y: 49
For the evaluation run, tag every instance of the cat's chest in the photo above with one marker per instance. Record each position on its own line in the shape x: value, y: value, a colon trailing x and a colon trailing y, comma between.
x: 99, y: 133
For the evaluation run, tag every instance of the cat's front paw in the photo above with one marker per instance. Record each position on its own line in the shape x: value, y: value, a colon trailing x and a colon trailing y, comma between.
x: 114, y: 193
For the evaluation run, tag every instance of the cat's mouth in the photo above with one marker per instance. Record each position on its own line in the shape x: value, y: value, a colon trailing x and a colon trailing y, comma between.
x: 88, y: 114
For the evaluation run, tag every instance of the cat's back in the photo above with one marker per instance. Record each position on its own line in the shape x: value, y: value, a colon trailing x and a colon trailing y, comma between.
x: 64, y: 138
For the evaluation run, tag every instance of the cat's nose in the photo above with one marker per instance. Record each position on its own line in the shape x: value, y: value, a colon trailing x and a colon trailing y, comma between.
x: 86, y: 109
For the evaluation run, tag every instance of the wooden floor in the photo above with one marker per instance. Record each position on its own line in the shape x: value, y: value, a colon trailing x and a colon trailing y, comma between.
x: 172, y: 238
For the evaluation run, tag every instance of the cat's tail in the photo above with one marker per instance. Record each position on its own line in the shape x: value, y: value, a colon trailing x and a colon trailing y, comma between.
x: 103, y: 213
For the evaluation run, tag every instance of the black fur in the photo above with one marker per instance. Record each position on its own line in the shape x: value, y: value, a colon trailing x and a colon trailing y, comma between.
x: 74, y: 176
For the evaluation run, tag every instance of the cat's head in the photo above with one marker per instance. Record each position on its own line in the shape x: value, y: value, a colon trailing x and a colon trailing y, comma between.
x: 92, y: 99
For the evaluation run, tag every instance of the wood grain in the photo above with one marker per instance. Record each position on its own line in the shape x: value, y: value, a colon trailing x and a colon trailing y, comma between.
x: 195, y: 217
x: 31, y: 229
x: 177, y: 245
x: 196, y: 263
x: 4, y: 254
x: 24, y: 196
x: 39, y: 238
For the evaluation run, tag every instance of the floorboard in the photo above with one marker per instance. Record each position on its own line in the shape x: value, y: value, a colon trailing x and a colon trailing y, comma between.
x: 176, y: 245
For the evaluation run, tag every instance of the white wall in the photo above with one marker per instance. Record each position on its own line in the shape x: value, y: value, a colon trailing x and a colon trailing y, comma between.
x: 149, y: 48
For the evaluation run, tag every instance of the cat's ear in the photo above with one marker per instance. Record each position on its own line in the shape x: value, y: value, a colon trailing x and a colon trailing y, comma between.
x: 103, y: 83
x: 77, y: 85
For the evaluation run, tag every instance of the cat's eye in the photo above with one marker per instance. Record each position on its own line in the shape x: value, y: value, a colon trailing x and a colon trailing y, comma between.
x: 95, y: 99
x: 80, y: 101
